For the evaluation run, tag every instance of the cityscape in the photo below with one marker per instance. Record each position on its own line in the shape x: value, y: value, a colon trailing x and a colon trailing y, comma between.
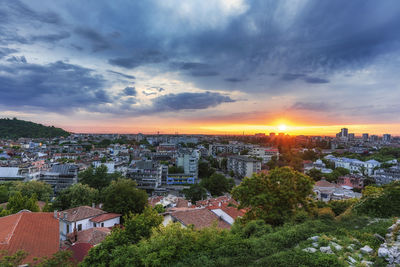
x: 199, y: 133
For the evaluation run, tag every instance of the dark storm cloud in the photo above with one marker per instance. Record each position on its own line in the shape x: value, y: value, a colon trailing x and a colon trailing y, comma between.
x: 4, y: 51
x: 291, y: 76
x: 17, y: 59
x: 51, y: 38
x: 98, y: 41
x: 144, y: 58
x: 55, y: 87
x: 189, y: 101
x: 24, y: 12
x: 121, y: 74
x: 235, y: 80
x: 316, y: 80
x: 308, y: 79
x: 204, y: 73
x: 130, y: 91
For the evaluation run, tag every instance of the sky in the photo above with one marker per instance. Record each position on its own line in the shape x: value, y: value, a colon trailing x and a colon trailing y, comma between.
x: 195, y: 66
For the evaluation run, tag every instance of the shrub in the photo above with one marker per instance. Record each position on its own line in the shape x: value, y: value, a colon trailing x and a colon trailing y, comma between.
x: 326, y: 214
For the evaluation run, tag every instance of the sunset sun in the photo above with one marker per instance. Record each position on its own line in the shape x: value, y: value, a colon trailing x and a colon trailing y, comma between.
x: 282, y: 127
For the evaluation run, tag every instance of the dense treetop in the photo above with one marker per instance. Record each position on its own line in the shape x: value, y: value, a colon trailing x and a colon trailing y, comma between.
x: 13, y: 128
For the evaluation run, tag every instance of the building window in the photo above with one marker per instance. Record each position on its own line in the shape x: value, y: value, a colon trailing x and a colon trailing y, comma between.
x: 102, y: 224
x: 79, y: 227
x: 67, y: 228
x: 94, y: 225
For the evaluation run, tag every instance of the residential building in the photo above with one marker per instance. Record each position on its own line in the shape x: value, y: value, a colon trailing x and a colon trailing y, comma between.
x: 374, y: 138
x: 351, y: 181
x: 199, y: 218
x: 11, y: 174
x: 83, y: 218
x: 386, y: 176
x: 365, y: 137
x: 243, y: 166
x: 326, y: 191
x: 147, y: 173
x: 60, y: 176
x: 355, y: 165
x: 188, y: 160
x: 386, y: 138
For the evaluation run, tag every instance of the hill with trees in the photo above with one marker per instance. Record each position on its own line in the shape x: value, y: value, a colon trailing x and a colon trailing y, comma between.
x: 14, y: 128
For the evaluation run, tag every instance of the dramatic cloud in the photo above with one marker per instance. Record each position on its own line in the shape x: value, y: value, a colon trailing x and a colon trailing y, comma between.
x: 51, y: 38
x: 147, y: 57
x: 122, y: 74
x: 130, y: 91
x: 99, y: 42
x: 54, y: 87
x: 4, y: 51
x: 121, y: 57
x: 189, y: 101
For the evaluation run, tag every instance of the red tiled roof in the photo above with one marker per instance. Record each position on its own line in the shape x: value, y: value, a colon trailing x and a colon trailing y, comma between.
x: 182, y: 203
x: 154, y: 200
x: 92, y: 236
x: 324, y: 183
x: 200, y: 218
x: 34, y: 232
x: 105, y: 217
x: 80, y: 213
x: 232, y: 211
x: 80, y: 250
x: 215, y: 201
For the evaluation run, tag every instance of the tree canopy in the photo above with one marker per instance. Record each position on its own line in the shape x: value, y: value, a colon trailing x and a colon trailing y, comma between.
x: 97, y: 177
x: 275, y: 197
x: 122, y: 196
x: 13, y: 128
x: 76, y: 195
x: 217, y: 184
x: 195, y: 192
x: 42, y: 190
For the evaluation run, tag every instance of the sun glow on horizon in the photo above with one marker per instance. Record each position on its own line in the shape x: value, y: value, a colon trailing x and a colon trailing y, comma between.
x: 282, y: 127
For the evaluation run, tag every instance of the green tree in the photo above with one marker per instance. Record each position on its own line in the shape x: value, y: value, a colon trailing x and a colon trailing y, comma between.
x: 378, y: 203
x: 205, y: 170
x: 16, y: 259
x: 42, y: 190
x: 217, y: 184
x: 315, y: 174
x: 3, y: 194
x: 275, y: 197
x: 61, y: 258
x: 98, y: 177
x: 195, y: 192
x: 122, y: 196
x: 18, y: 202
x: 76, y: 195
x: 137, y: 227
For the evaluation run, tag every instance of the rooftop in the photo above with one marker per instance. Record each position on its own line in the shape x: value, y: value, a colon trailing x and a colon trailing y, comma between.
x: 23, y: 230
x: 80, y: 213
x: 200, y: 218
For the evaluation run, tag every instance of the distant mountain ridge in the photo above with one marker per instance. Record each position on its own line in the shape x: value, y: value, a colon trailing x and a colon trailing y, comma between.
x: 14, y: 128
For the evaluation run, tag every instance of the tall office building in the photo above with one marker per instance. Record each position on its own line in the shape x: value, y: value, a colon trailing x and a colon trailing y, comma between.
x: 365, y: 137
x: 344, y: 132
x: 386, y: 138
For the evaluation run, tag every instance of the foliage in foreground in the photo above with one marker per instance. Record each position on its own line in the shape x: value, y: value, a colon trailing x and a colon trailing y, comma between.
x: 252, y: 244
x: 275, y: 197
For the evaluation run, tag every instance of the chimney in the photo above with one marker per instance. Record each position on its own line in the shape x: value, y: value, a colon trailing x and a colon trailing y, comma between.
x: 93, y: 205
x: 55, y: 214
x: 65, y: 215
